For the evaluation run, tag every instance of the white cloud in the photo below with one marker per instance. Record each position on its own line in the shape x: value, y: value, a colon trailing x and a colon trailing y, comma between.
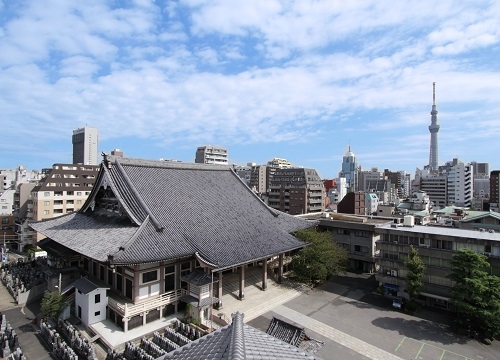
x: 260, y: 72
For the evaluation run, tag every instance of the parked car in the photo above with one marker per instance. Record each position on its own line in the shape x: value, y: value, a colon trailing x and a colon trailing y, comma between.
x: 398, y: 304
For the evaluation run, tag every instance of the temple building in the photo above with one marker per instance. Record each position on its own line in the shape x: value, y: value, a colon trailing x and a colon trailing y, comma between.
x: 160, y: 235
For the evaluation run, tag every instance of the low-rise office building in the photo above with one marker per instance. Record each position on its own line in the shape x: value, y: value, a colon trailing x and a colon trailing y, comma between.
x: 357, y: 235
x: 436, y: 246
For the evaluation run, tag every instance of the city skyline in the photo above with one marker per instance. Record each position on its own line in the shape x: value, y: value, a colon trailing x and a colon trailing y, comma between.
x: 301, y: 81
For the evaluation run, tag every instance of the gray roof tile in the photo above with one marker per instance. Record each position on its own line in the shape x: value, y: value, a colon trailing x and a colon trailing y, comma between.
x: 238, y: 341
x: 201, y: 208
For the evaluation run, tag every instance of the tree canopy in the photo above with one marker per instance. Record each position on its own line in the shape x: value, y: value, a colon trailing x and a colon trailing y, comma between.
x: 416, y: 269
x: 475, y: 294
x: 52, y: 304
x: 321, y: 260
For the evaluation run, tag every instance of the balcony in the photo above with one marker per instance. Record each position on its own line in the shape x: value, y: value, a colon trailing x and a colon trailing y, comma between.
x: 128, y: 310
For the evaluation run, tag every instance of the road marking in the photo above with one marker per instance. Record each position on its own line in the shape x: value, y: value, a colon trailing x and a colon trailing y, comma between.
x: 350, y: 342
x: 404, y: 337
x: 423, y: 344
x: 444, y: 351
x: 434, y: 346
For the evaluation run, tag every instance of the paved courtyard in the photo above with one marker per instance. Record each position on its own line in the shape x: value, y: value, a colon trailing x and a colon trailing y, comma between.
x: 351, y: 321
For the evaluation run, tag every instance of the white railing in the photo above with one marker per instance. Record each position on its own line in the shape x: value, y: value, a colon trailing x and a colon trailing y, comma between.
x: 128, y: 310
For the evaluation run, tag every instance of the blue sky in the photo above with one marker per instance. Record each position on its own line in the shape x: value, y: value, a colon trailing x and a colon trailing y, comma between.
x: 294, y: 79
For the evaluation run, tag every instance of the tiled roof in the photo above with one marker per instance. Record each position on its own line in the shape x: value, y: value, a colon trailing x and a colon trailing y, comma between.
x: 286, y: 332
x: 238, y: 341
x: 199, y: 278
x: 182, y: 209
x: 85, y: 285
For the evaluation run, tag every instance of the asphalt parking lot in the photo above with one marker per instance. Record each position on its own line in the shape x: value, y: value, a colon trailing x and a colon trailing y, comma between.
x: 348, y: 307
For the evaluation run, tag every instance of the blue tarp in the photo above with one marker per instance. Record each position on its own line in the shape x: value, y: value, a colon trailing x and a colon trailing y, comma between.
x: 391, y: 286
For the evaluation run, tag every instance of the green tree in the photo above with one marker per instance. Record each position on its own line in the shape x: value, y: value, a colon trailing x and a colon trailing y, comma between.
x: 321, y: 260
x: 52, y: 304
x: 475, y: 294
x: 416, y: 270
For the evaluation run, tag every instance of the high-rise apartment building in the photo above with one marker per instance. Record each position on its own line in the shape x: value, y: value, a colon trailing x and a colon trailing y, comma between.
x: 11, y: 178
x: 279, y: 163
x: 295, y: 190
x: 258, y: 178
x: 211, y: 155
x: 495, y: 190
x: 85, y: 143
x: 452, y: 185
x: 401, y: 182
x: 63, y: 190
x: 480, y: 168
x: 372, y: 180
x: 460, y: 184
x: 435, y: 185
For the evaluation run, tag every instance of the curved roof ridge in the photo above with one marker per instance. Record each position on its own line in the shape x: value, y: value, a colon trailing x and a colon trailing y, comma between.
x: 124, y: 247
x: 237, y: 344
x: 154, y: 221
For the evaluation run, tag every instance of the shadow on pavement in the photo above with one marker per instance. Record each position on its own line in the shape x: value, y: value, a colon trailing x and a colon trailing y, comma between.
x: 420, y: 330
x: 27, y: 328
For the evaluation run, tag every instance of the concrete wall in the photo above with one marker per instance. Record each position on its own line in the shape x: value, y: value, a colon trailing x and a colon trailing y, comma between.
x: 31, y: 295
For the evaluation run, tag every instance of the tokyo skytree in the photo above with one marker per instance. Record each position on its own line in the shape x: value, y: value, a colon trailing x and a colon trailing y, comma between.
x: 433, y: 129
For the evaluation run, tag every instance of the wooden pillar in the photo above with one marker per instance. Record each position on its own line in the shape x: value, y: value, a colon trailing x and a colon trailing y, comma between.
x: 242, y: 282
x: 125, y: 324
x: 280, y: 269
x: 264, y: 274
x: 144, y: 318
x: 219, y: 288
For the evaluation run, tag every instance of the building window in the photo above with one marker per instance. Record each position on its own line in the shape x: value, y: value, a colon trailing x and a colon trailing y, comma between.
x: 185, y: 268
x: 78, y: 193
x: 46, y: 212
x: 360, y: 233
x: 46, y: 203
x: 442, y: 244
x: 391, y: 256
x: 169, y: 278
x: 97, y: 313
x: 101, y: 272
x: 46, y: 193
x: 359, y: 248
x: 149, y: 276
x: 97, y: 298
x: 5, y: 220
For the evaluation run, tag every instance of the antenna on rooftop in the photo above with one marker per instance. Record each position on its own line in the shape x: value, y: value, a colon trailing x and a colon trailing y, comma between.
x: 434, y: 93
